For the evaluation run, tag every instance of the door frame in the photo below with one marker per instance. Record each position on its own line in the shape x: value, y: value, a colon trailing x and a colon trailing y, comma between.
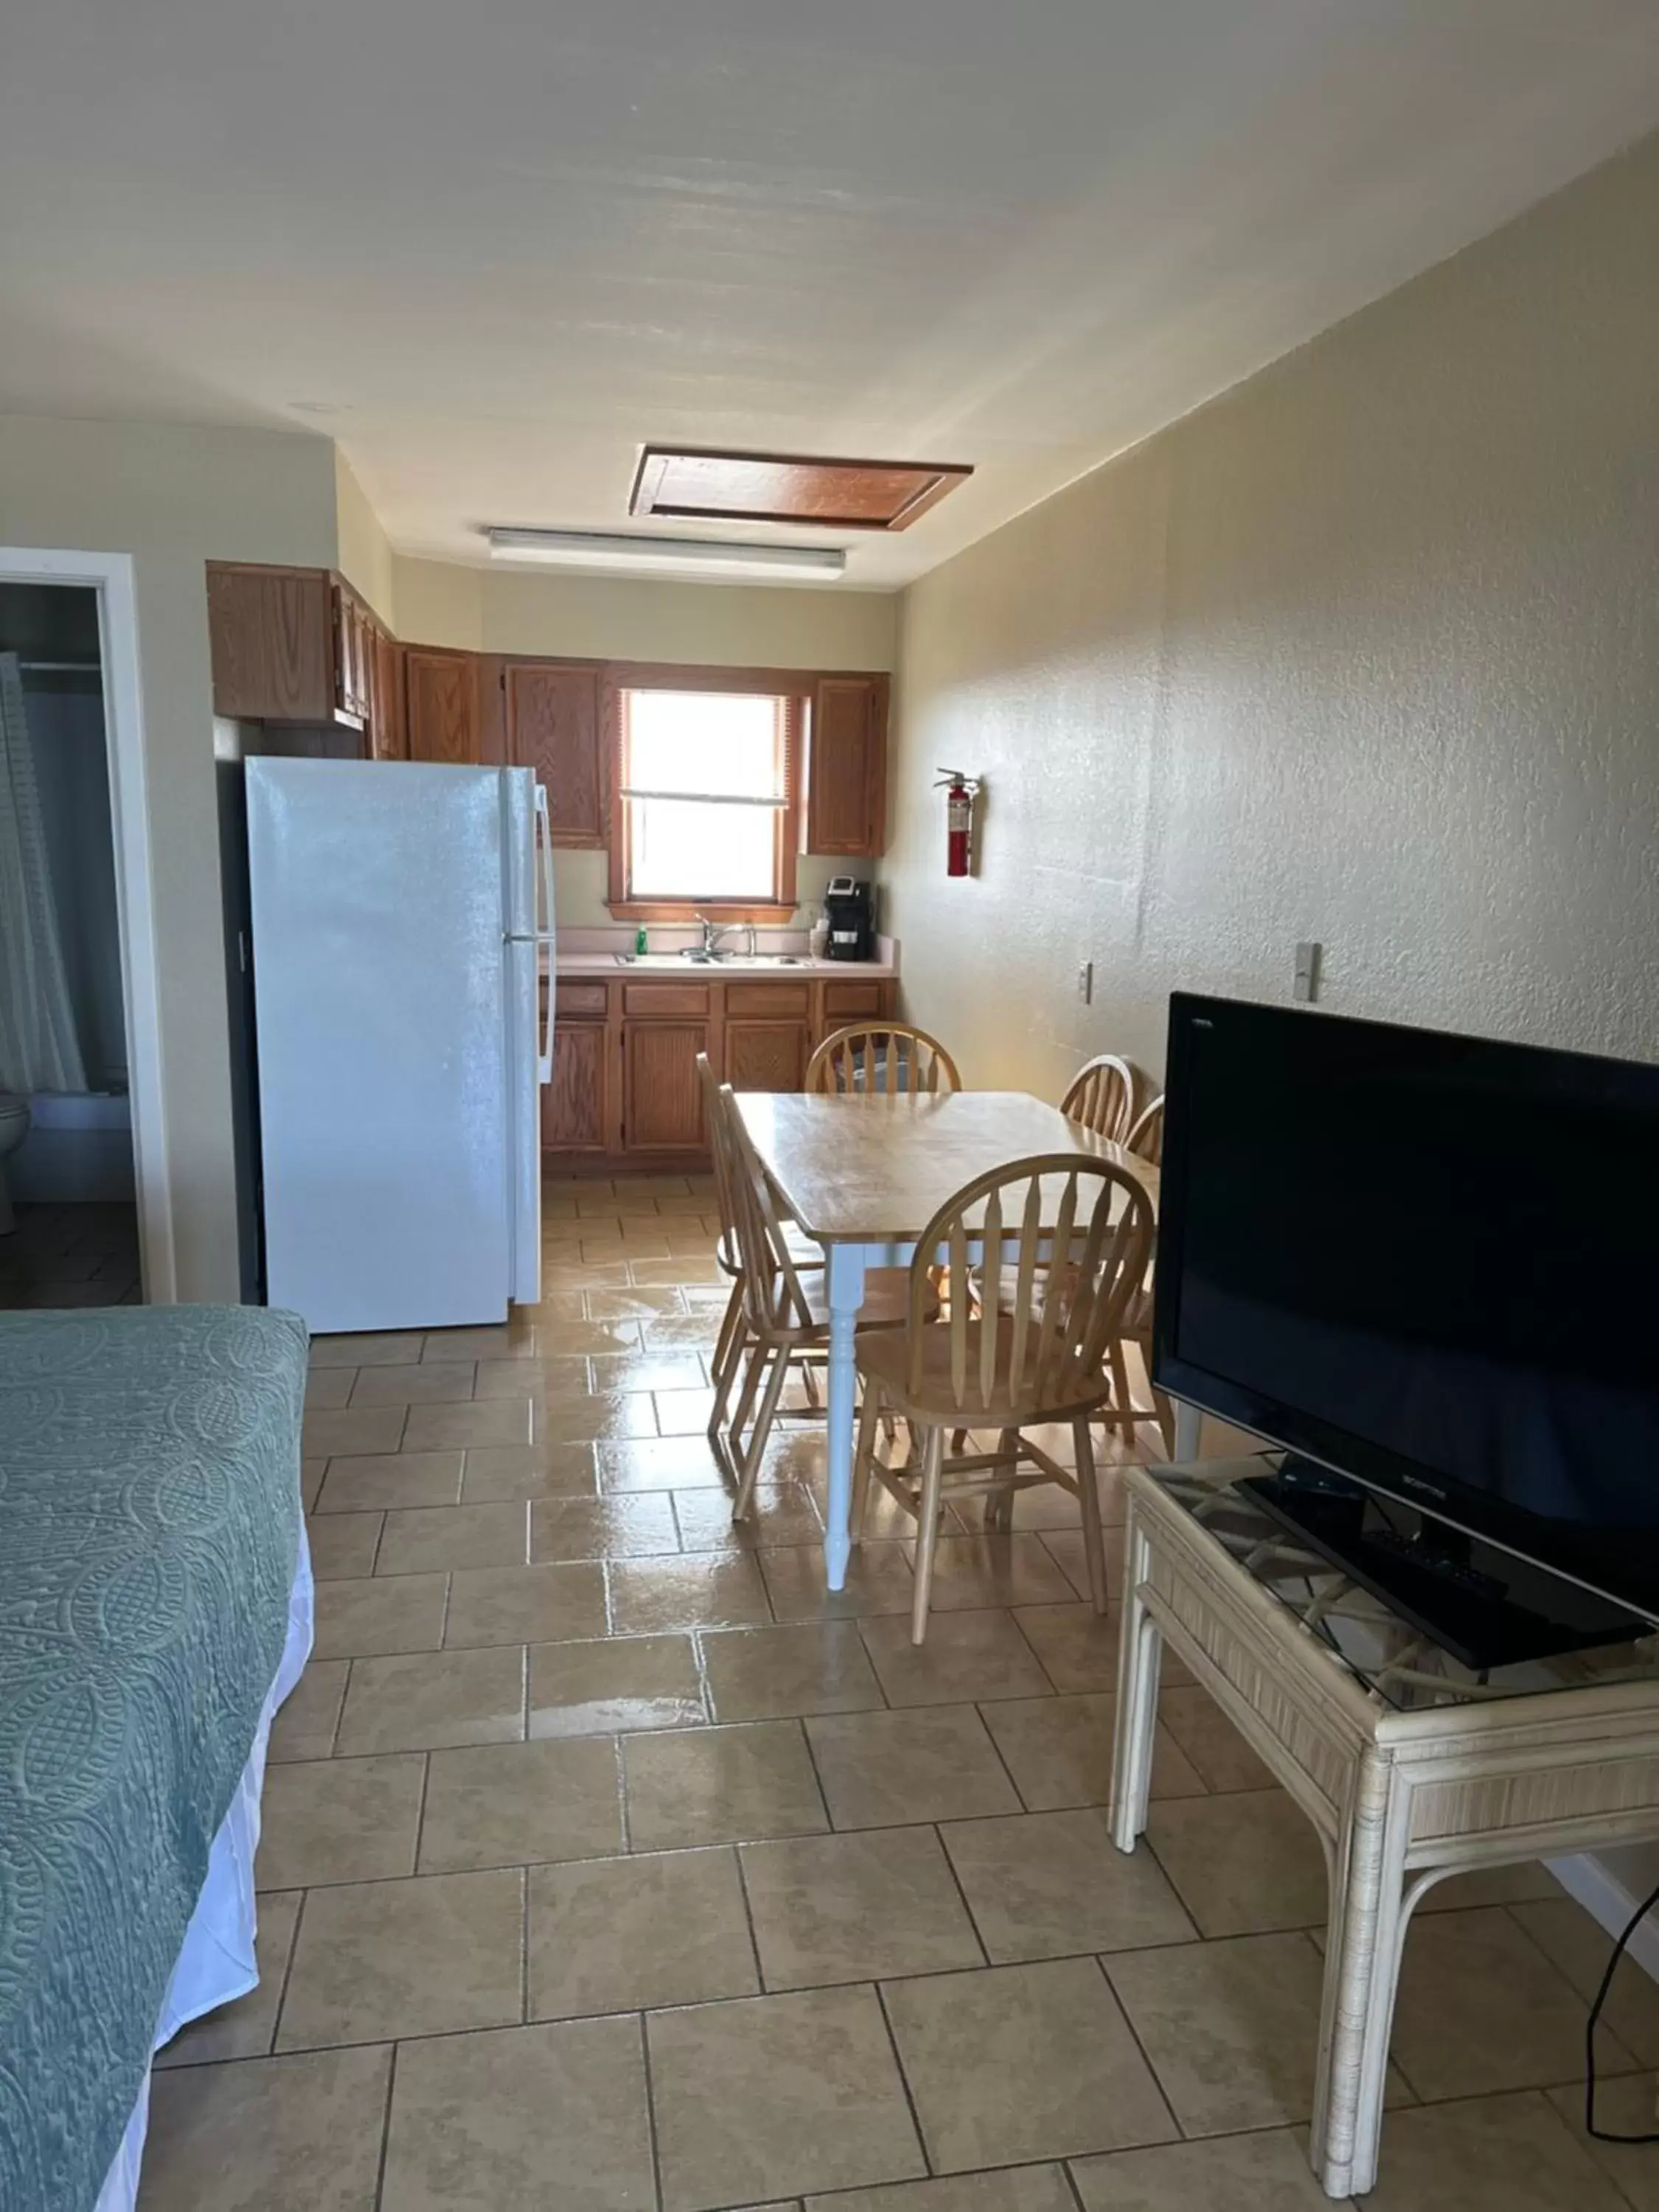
x: 111, y: 575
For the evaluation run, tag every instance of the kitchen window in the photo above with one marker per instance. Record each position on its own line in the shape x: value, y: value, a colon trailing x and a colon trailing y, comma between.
x: 705, y: 814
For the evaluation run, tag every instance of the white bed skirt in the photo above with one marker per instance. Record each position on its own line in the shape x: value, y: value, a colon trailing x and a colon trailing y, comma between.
x: 217, y: 1961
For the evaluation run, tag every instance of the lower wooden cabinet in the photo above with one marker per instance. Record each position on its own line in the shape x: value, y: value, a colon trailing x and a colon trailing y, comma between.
x: 576, y: 1105
x: 767, y: 1056
x: 662, y: 1101
x: 625, y: 1093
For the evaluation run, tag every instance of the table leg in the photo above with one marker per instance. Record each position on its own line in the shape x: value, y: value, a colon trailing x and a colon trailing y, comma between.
x: 1188, y: 1419
x: 1140, y: 1654
x: 846, y: 1274
x: 1363, y: 1946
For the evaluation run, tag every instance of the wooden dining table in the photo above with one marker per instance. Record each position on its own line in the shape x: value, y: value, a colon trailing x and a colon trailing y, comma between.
x: 863, y: 1175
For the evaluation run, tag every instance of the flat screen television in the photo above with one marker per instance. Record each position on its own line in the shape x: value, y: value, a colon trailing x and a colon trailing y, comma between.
x: 1427, y: 1264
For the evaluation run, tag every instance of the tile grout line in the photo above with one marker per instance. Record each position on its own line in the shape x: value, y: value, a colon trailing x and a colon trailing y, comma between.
x: 880, y: 1990
x: 385, y: 2124
x: 650, y: 2105
x: 938, y: 1827
x: 737, y: 1850
x: 1155, y: 2077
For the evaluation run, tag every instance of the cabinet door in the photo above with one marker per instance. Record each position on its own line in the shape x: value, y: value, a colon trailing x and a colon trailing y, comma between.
x: 766, y: 1055
x: 388, y: 736
x: 271, y: 635
x: 441, y: 702
x: 575, y: 1105
x: 846, y: 766
x: 553, y: 726
x: 351, y: 648
x: 662, y: 1102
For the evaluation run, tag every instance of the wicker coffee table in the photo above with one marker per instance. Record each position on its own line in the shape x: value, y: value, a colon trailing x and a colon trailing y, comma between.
x: 1410, y: 1767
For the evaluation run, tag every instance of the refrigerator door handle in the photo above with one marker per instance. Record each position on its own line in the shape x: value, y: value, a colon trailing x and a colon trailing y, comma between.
x: 544, y: 864
x: 544, y: 932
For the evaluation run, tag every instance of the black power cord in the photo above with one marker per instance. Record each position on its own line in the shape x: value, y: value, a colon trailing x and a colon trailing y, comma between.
x: 1602, y: 2135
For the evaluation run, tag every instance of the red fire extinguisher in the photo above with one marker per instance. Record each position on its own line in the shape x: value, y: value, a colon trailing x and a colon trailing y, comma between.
x: 959, y: 794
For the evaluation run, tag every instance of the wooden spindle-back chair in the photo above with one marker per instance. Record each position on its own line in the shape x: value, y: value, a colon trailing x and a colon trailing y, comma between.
x: 882, y: 1056
x: 1101, y: 1096
x: 784, y: 1306
x: 1070, y: 1236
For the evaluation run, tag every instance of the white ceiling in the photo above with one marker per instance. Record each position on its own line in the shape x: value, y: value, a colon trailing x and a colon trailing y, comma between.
x: 493, y: 245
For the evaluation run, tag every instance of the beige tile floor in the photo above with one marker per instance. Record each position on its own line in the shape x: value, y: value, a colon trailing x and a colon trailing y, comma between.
x: 610, y: 1866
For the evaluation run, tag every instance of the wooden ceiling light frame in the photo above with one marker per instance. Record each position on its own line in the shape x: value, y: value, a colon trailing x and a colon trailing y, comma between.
x: 921, y: 485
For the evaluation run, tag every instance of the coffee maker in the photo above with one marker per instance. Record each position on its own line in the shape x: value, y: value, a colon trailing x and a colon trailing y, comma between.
x: 849, y: 908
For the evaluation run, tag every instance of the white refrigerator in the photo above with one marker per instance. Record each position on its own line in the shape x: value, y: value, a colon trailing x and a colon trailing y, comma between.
x: 402, y: 923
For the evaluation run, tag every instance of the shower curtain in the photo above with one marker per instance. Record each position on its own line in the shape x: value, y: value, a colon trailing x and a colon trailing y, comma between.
x: 39, y: 1047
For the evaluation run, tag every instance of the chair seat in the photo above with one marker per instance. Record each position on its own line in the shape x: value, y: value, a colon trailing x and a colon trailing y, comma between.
x: 888, y: 1360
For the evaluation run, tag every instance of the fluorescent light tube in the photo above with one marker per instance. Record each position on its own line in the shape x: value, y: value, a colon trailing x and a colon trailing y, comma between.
x: 593, y: 548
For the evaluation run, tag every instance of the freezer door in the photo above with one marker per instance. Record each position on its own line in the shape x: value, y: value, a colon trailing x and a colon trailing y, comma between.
x: 381, y: 989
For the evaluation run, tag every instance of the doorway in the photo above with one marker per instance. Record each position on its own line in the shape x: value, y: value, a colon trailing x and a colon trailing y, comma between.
x: 84, y: 1216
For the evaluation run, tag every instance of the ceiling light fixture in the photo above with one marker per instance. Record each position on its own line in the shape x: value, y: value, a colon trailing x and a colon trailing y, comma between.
x: 709, y: 556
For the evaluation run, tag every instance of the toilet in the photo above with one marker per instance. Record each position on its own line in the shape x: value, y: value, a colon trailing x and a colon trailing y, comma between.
x: 14, y: 1128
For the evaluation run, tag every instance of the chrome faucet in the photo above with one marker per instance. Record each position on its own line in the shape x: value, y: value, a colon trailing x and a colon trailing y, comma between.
x: 713, y: 930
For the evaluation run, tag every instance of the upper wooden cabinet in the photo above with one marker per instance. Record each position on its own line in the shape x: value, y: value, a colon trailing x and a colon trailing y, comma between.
x: 300, y: 646
x: 846, y: 783
x: 388, y: 725
x: 551, y: 715
x: 290, y: 645
x: 271, y: 632
x: 440, y: 704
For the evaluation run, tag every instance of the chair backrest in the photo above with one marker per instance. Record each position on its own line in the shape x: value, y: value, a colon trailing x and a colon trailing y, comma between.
x: 1101, y: 1096
x: 882, y: 1056
x: 1146, y: 1137
x: 720, y: 1147
x: 772, y: 1294
x: 1069, y: 1238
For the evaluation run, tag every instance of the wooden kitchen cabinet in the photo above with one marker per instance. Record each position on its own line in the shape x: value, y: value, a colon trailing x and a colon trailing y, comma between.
x: 551, y: 711
x: 272, y: 634
x: 624, y: 1094
x: 767, y: 1056
x: 388, y: 728
x: 577, y: 1105
x: 767, y: 1035
x: 354, y: 655
x: 440, y: 704
x: 662, y: 1099
x: 291, y: 645
x: 845, y: 813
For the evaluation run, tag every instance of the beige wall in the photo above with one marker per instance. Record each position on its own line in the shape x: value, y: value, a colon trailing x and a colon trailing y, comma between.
x: 1367, y: 652
x: 364, y: 555
x: 175, y: 498
x: 634, y: 619
x: 501, y: 611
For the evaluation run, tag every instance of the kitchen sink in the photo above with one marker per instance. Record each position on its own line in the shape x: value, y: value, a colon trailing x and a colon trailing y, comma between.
x: 713, y: 959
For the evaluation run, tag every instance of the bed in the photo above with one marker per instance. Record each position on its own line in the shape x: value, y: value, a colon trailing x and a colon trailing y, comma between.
x: 154, y: 1609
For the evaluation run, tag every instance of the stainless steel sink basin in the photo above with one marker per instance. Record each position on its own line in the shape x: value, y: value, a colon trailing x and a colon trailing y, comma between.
x: 699, y: 959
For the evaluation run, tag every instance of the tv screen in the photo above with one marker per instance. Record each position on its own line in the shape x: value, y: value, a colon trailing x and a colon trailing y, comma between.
x: 1429, y: 1263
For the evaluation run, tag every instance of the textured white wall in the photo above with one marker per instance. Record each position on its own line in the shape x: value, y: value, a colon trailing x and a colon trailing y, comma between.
x: 1366, y: 651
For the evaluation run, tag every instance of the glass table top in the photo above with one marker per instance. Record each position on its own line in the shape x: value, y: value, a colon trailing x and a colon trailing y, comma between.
x: 1391, y: 1658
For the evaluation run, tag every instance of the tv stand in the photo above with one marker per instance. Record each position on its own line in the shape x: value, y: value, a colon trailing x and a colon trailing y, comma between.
x: 1487, y: 1607
x: 1409, y: 1770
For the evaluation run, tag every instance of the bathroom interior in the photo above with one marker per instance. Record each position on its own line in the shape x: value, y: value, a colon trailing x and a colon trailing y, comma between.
x: 68, y: 1220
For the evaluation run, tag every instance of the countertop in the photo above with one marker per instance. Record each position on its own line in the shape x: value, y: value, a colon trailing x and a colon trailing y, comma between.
x: 675, y: 964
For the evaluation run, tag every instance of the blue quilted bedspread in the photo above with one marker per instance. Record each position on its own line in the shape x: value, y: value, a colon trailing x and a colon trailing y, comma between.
x: 150, y: 1518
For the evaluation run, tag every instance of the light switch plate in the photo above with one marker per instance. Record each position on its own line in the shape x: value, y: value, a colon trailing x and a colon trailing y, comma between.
x: 1085, y: 981
x: 1305, y: 984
